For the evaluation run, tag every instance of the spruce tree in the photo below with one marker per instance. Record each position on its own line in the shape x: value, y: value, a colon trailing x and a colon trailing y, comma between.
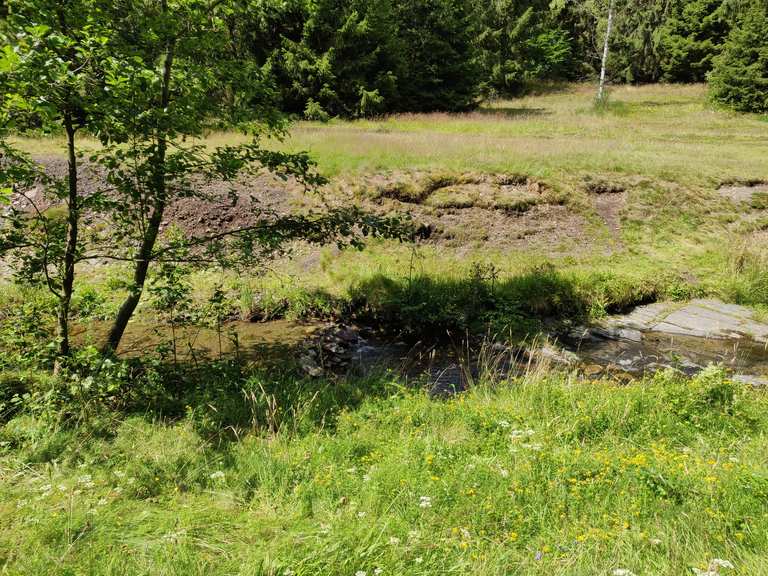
x: 739, y: 79
x: 691, y: 37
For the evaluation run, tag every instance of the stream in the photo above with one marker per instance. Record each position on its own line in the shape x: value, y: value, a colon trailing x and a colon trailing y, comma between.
x: 687, y: 337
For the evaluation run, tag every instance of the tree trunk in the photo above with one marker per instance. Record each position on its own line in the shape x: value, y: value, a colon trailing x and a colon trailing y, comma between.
x: 128, y: 307
x: 70, y: 251
x: 601, y: 89
x: 159, y: 191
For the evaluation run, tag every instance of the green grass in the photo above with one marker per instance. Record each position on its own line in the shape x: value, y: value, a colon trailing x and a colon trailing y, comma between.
x: 666, y: 144
x: 541, y: 475
x: 669, y: 132
x: 665, y: 131
x: 145, y: 472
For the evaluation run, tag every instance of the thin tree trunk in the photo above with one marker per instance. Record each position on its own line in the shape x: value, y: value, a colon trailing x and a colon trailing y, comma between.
x: 159, y: 190
x: 601, y: 89
x: 70, y: 251
x: 128, y: 306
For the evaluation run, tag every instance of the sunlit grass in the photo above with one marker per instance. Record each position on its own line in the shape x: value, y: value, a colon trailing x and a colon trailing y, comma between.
x: 540, y: 476
x: 666, y: 131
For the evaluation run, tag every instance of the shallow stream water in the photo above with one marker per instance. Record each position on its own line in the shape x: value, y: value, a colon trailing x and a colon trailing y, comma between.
x: 685, y: 337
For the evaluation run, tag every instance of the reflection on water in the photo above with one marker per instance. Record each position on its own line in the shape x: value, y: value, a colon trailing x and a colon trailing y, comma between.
x: 444, y: 366
x: 248, y: 340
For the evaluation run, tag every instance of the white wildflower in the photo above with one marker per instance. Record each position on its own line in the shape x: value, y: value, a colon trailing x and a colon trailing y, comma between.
x: 86, y: 480
x: 361, y: 514
x: 418, y: 560
x: 425, y: 502
x: 655, y: 541
x: 413, y: 534
x: 394, y: 540
x: 288, y: 572
x: 218, y: 475
x: 517, y: 434
x: 504, y: 472
x: 119, y: 473
x: 360, y: 573
x: 504, y: 424
x: 534, y: 446
x: 378, y: 571
x: 623, y: 572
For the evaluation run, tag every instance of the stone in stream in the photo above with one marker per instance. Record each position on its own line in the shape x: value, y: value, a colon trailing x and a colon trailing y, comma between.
x: 698, y: 318
x: 683, y: 336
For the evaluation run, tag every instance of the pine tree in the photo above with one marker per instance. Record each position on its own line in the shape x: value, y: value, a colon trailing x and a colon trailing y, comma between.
x: 691, y: 37
x: 739, y: 79
x: 440, y: 70
x: 519, y: 42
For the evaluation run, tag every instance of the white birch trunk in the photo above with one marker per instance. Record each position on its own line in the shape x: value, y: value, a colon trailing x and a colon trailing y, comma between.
x: 601, y: 89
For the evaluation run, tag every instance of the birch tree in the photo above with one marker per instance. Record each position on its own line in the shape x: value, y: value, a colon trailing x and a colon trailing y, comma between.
x: 606, y: 44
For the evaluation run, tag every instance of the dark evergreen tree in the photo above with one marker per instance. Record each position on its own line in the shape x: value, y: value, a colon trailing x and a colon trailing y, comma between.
x: 440, y: 70
x: 346, y: 61
x: 691, y: 37
x: 636, y: 44
x: 518, y: 42
x: 739, y: 78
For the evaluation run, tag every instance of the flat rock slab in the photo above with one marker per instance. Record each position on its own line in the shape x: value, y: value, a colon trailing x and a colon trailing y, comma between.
x: 701, y: 318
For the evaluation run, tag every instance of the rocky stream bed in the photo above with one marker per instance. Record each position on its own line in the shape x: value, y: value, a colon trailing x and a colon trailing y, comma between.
x: 686, y: 337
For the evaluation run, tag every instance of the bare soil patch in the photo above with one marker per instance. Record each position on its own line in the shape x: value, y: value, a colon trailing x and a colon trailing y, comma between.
x: 609, y: 207
x: 498, y: 211
x: 754, y: 193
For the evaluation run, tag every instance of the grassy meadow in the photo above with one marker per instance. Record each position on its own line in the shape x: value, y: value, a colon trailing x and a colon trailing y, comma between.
x: 233, y: 469
x: 541, y: 475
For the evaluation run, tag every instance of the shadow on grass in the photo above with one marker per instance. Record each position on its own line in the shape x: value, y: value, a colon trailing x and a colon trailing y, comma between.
x: 225, y: 398
x: 513, y: 113
x: 426, y: 308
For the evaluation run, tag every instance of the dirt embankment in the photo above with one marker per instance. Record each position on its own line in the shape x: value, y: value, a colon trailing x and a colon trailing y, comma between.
x: 495, y: 211
x: 478, y: 210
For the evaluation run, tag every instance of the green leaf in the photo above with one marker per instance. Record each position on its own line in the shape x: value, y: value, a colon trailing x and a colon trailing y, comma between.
x: 8, y: 59
x: 5, y: 195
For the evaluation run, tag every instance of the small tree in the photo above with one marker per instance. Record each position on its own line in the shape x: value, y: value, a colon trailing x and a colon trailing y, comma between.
x: 739, y: 79
x: 174, y: 75
x: 49, y: 74
x: 147, y: 78
x: 171, y: 298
